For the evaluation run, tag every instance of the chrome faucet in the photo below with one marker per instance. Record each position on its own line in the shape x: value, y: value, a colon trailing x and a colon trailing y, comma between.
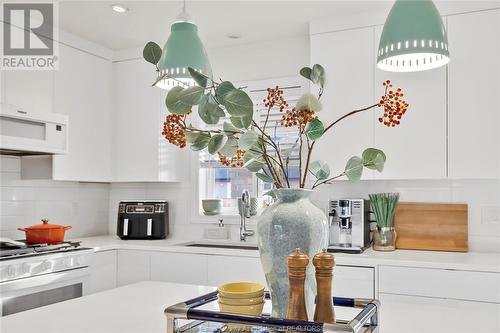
x: 244, y: 210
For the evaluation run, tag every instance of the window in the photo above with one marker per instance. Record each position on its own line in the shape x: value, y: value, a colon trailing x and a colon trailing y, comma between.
x: 220, y: 182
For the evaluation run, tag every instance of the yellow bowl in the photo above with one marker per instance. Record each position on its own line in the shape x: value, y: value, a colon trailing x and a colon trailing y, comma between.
x: 241, y: 301
x: 250, y: 310
x: 241, y: 290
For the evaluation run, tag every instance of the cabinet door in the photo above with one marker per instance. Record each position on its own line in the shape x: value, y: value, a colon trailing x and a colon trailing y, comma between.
x: 224, y: 269
x: 103, y: 271
x: 132, y: 266
x: 410, y: 314
x: 416, y: 149
x: 136, y: 122
x: 350, y: 281
x: 140, y: 153
x: 348, y: 62
x: 29, y: 90
x: 83, y: 92
x: 474, y: 99
x: 179, y: 268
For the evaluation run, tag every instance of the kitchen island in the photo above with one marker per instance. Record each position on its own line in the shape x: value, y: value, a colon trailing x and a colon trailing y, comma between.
x: 139, y: 308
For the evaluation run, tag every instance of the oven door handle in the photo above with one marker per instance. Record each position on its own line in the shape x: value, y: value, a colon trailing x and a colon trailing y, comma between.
x: 45, y: 279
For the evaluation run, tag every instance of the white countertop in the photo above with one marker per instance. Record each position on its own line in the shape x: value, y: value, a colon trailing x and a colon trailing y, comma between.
x: 139, y: 308
x: 487, y: 262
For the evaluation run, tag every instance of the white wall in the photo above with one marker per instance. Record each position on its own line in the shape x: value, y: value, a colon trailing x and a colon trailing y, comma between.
x: 24, y: 202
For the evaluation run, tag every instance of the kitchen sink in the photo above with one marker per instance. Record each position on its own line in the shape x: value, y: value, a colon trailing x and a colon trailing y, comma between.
x: 222, y: 246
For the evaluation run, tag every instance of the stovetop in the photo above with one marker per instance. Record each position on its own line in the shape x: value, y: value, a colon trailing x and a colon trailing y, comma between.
x: 10, y: 251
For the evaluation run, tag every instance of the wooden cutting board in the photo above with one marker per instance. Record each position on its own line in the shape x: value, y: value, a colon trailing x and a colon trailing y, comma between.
x: 430, y: 226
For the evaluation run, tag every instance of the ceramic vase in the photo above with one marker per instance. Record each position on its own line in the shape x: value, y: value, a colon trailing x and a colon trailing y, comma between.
x: 291, y: 222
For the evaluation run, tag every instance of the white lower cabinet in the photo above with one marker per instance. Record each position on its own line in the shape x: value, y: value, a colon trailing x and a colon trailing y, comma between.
x: 354, y: 282
x: 132, y: 266
x: 179, y: 267
x: 438, y: 315
x: 430, y: 282
x: 224, y: 269
x: 103, y: 271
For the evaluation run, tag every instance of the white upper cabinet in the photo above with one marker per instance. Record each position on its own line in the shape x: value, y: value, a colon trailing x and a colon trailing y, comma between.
x: 474, y: 95
x: 416, y: 149
x: 140, y: 153
x: 347, y: 57
x: 83, y: 91
x: 29, y: 90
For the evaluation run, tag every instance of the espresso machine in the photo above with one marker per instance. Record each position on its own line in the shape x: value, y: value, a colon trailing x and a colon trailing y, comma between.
x: 349, y: 225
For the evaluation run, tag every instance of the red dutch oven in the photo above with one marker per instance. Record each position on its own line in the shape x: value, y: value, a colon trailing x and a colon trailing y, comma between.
x: 45, y: 233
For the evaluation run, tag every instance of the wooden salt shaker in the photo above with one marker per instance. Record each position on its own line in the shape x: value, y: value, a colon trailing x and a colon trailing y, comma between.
x: 324, y: 262
x: 297, y: 265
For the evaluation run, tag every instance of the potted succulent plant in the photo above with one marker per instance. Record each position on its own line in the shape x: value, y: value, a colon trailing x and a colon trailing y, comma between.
x: 239, y: 141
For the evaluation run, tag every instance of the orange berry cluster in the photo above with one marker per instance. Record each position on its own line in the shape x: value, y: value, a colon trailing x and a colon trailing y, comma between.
x: 174, y: 130
x: 394, y: 105
x: 296, y: 117
x: 275, y: 97
x: 234, y: 162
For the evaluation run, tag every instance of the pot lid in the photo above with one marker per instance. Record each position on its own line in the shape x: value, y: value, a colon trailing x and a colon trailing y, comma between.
x: 45, y: 225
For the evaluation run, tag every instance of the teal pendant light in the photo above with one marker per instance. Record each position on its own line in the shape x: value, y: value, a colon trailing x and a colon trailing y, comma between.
x: 183, y: 49
x: 413, y: 39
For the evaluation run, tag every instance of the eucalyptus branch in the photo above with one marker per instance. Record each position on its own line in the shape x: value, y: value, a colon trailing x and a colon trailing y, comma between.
x: 327, y: 181
x: 308, y: 160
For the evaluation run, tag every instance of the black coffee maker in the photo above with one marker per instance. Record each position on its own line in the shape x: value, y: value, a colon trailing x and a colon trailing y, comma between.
x: 142, y: 219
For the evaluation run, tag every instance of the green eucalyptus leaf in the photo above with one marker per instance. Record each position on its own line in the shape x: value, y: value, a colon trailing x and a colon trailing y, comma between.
x: 318, y: 75
x: 199, y: 78
x: 238, y: 103
x: 229, y: 128
x: 354, y: 168
x: 265, y: 178
x: 252, y: 154
x: 314, y: 129
x: 223, y: 88
x: 201, y: 142
x: 319, y: 169
x: 241, y: 122
x: 309, y: 102
x: 191, y: 95
x: 248, y: 139
x: 192, y: 136
x: 254, y: 165
x: 152, y: 53
x: 306, y: 72
x: 373, y: 159
x: 230, y: 148
x: 216, y: 143
x: 209, y: 112
x: 270, y: 193
x: 173, y: 102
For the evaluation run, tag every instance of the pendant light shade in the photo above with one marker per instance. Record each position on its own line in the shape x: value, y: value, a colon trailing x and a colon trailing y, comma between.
x: 183, y: 49
x: 413, y: 39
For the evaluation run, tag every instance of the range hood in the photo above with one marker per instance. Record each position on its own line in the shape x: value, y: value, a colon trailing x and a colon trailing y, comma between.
x: 31, y: 133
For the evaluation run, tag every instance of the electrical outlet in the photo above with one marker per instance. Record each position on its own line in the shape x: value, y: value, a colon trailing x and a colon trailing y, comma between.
x: 490, y: 215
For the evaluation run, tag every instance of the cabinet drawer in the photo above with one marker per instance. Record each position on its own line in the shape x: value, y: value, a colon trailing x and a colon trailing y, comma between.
x: 355, y: 282
x: 456, y: 284
x: 224, y: 269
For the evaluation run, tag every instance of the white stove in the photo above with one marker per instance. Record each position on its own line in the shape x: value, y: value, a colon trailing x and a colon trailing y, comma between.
x: 37, y: 275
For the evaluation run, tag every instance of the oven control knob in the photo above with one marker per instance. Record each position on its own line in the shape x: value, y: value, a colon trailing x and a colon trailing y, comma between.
x: 46, y: 265
x: 25, y: 268
x: 78, y: 261
x: 11, y: 271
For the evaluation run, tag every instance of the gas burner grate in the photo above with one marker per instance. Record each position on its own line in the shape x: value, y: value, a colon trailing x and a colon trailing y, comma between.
x: 9, y: 251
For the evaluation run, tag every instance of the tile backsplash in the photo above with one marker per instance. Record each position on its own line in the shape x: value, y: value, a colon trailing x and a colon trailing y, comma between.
x: 91, y: 208
x: 84, y: 206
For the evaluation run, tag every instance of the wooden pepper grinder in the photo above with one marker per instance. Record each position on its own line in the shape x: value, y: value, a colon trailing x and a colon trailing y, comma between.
x: 297, y: 266
x: 324, y: 262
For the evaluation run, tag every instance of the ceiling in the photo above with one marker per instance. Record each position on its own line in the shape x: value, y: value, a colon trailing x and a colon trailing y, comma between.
x: 151, y: 20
